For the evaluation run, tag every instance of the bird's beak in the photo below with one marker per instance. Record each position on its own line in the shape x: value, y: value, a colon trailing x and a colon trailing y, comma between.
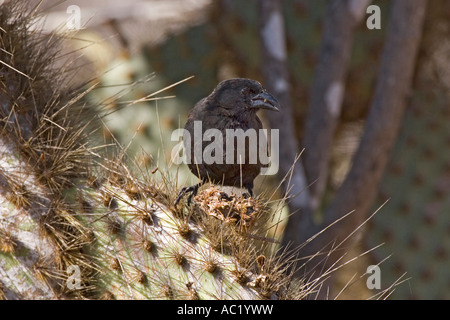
x: 264, y: 100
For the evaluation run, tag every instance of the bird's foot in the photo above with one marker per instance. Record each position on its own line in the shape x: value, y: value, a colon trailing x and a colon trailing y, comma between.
x: 192, y: 190
x: 226, y: 197
x: 248, y: 194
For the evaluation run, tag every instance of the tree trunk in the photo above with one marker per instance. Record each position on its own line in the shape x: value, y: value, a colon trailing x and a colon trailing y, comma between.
x: 276, y: 79
x: 384, y: 120
x: 328, y: 91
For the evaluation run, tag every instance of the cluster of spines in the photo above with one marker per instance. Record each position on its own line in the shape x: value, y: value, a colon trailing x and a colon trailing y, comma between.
x: 44, y: 151
x: 184, y: 250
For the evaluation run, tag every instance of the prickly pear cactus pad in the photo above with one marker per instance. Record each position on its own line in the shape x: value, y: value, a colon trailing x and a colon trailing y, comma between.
x: 145, y: 251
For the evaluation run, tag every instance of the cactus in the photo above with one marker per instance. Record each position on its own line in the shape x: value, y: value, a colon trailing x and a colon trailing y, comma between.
x: 77, y: 222
x: 126, y: 242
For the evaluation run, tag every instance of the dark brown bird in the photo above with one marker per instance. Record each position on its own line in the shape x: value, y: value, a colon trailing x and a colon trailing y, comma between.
x: 232, y: 105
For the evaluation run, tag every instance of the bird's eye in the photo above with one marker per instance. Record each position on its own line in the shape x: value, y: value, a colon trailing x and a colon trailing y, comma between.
x: 245, y: 91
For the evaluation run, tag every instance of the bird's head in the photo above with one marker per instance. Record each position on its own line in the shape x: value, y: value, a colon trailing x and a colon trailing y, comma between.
x: 244, y: 94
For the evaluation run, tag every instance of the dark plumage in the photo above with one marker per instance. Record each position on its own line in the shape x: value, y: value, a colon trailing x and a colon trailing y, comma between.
x: 232, y: 105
